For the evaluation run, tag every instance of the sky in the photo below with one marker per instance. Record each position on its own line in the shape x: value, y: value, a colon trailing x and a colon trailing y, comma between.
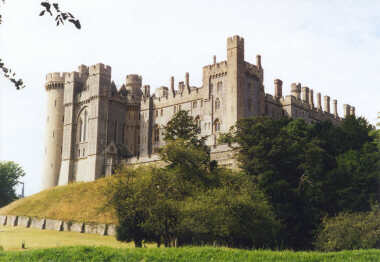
x: 330, y: 46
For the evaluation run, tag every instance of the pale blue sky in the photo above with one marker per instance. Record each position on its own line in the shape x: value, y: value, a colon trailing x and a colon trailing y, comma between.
x: 330, y: 46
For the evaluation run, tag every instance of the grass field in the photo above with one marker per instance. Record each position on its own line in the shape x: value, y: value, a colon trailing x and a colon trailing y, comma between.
x: 69, y: 246
x: 12, y: 237
x: 188, y: 254
x: 82, y: 202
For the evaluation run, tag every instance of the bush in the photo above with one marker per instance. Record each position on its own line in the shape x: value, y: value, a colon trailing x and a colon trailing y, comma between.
x: 349, y: 231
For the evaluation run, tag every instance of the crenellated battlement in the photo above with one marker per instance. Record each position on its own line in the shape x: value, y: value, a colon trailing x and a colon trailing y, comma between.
x: 100, y: 69
x: 235, y: 41
x: 55, y: 77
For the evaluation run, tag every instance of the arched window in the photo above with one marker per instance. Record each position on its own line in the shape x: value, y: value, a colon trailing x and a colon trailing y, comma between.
x: 217, y: 104
x: 156, y: 134
x: 219, y: 86
x: 85, y: 126
x: 80, y: 135
x: 198, y: 122
x: 217, y: 125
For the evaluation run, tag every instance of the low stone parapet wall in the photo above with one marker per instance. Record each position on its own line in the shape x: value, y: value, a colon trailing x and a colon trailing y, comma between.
x: 52, y: 224
x: 3, y: 220
x: 24, y: 221
x: 58, y: 225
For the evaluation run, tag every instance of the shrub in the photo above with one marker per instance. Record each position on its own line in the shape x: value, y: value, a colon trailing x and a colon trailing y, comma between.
x: 350, y: 231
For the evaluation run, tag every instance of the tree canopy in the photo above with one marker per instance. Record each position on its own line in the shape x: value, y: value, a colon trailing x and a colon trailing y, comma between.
x: 10, y: 173
x: 309, y: 171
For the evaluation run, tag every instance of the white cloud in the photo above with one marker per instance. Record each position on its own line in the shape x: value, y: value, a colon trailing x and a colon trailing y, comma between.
x: 331, y: 46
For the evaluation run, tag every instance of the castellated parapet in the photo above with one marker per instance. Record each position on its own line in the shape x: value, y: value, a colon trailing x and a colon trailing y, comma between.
x: 94, y: 124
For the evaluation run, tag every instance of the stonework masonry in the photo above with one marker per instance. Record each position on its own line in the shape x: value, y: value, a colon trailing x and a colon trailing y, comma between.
x: 92, y: 126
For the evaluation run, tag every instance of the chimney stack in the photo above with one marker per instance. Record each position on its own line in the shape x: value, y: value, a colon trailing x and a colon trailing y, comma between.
x: 319, y: 101
x: 258, y: 61
x: 277, y: 88
x: 335, y: 106
x: 327, y: 103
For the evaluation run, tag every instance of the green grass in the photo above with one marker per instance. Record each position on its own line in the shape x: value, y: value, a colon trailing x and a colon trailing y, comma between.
x: 12, y: 237
x: 188, y: 254
x: 83, y: 202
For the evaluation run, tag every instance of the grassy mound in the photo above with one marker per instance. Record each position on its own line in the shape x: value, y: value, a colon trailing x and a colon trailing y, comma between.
x: 188, y: 254
x: 82, y: 202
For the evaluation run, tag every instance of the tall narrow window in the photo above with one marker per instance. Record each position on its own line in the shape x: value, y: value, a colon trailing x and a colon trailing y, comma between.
x: 123, y: 134
x: 198, y: 122
x: 156, y: 133
x: 217, y: 104
x: 211, y: 87
x: 217, y: 125
x: 80, y: 135
x: 219, y: 86
x: 115, y: 132
x: 85, y: 126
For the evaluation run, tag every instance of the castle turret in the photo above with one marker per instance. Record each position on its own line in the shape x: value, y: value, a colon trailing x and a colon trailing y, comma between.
x: 277, y: 88
x: 335, y: 107
x: 296, y: 90
x: 133, y: 84
x: 54, y: 129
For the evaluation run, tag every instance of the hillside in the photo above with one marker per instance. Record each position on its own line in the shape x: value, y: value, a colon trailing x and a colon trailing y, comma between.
x: 82, y: 202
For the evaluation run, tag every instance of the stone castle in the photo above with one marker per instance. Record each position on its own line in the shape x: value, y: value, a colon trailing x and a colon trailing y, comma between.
x: 92, y: 126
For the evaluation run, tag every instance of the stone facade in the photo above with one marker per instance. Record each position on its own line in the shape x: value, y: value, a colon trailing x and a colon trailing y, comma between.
x: 92, y: 125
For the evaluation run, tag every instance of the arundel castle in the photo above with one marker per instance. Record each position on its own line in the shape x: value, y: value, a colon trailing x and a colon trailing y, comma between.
x: 92, y: 126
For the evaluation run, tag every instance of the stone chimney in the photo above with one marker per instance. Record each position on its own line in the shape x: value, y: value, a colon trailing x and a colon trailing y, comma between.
x: 335, y: 107
x: 258, y: 61
x: 346, y: 110
x: 277, y: 88
x: 305, y: 94
x: 311, y: 98
x: 319, y: 101
x: 327, y: 103
x: 172, y: 91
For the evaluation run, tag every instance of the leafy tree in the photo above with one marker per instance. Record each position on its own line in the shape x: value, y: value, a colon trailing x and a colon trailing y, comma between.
x: 10, y: 173
x: 309, y: 171
x: 60, y: 18
x: 190, y: 200
x: 350, y: 231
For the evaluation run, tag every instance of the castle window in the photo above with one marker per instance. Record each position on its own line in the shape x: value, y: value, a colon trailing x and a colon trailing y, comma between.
x: 162, y: 111
x: 201, y: 102
x: 115, y: 132
x: 53, y: 133
x: 85, y: 126
x: 198, y: 122
x: 219, y: 86
x: 156, y: 134
x: 84, y: 150
x: 123, y: 134
x: 175, y: 109
x: 211, y: 87
x: 195, y: 103
x: 156, y: 113
x: 217, y: 104
x: 217, y: 125
x: 55, y: 102
x: 63, y: 119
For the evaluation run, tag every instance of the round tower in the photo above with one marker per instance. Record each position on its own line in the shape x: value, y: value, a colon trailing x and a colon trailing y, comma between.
x: 133, y: 85
x: 54, y: 129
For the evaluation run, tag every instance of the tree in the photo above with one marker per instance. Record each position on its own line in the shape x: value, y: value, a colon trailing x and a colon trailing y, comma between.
x: 60, y: 18
x: 190, y: 200
x: 309, y: 171
x: 10, y: 173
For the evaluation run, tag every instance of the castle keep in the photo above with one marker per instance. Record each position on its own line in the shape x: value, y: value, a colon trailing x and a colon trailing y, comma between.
x: 92, y: 125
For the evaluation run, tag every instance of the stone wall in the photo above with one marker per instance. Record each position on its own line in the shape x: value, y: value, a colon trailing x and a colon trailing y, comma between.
x: 58, y: 225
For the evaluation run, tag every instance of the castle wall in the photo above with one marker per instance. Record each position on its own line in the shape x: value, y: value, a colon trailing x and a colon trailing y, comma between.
x: 127, y: 124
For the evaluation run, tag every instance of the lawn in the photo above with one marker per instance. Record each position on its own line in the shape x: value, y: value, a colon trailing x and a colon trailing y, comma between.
x: 12, y: 237
x: 46, y: 245
x: 186, y: 254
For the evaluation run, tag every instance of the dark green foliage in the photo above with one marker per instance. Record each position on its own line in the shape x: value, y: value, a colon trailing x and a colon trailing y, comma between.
x: 187, y: 254
x: 191, y: 200
x: 350, y: 231
x: 309, y: 171
x: 10, y: 173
